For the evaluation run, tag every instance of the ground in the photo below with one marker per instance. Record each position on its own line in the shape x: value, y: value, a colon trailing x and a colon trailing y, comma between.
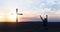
x: 29, y: 27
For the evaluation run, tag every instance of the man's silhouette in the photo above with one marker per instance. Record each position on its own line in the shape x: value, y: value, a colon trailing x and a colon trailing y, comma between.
x: 45, y: 20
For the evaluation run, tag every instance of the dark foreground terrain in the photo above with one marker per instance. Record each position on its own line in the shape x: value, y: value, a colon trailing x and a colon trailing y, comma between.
x: 29, y: 27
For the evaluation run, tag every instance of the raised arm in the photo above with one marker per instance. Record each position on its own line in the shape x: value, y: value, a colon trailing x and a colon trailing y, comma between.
x: 41, y: 18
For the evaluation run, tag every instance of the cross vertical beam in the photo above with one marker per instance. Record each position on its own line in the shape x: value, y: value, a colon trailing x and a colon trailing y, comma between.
x: 17, y: 15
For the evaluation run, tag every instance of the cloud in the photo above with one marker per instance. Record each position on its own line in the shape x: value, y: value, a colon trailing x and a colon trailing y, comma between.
x: 42, y: 5
x: 33, y: 5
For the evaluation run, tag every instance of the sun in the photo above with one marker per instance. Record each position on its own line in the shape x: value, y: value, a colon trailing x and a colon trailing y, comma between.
x: 12, y: 16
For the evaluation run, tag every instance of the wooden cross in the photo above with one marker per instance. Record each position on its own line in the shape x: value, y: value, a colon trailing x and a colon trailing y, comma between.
x: 17, y: 15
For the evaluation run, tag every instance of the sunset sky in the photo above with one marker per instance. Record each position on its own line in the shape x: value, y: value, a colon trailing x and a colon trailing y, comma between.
x: 31, y: 10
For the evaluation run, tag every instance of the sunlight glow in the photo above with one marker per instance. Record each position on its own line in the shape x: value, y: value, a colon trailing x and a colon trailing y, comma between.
x: 12, y: 16
x: 1, y: 15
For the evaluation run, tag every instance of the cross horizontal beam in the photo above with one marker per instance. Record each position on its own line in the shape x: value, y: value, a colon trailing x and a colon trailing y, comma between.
x: 20, y: 14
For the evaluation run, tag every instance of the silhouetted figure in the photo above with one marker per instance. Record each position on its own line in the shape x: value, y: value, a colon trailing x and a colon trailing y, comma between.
x: 45, y: 20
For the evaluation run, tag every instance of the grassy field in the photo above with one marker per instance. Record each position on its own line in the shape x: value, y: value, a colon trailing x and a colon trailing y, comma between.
x: 29, y: 27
